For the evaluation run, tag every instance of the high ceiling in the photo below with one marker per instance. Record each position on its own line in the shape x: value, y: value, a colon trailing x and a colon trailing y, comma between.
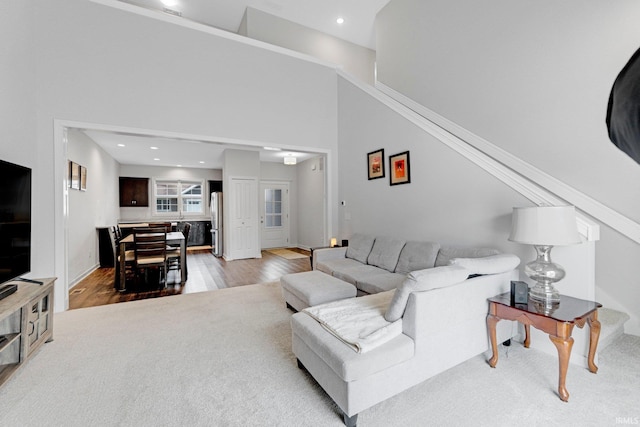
x: 321, y: 15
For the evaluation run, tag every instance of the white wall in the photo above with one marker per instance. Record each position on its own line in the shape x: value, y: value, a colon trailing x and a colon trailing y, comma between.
x: 356, y: 60
x: 128, y: 214
x: 17, y: 106
x: 531, y: 77
x: 539, y: 93
x: 311, y: 203
x: 449, y: 199
x: 152, y: 75
x: 17, y: 77
x: 95, y: 207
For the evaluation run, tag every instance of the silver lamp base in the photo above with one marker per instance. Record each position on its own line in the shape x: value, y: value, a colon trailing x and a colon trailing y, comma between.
x: 544, y: 292
x: 545, y: 273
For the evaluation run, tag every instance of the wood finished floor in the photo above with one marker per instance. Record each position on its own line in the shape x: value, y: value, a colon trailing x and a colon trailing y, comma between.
x: 206, y: 273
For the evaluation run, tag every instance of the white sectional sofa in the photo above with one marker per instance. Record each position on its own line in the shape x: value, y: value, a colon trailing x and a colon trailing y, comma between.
x: 438, y: 294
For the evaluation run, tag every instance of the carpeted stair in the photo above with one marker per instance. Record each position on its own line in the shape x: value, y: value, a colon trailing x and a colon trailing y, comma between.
x: 611, y: 326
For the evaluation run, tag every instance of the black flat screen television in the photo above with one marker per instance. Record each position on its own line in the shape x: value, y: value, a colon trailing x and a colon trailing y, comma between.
x: 15, y: 221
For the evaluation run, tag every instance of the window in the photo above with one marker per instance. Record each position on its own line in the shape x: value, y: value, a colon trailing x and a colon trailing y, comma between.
x: 178, y: 197
x: 273, y: 207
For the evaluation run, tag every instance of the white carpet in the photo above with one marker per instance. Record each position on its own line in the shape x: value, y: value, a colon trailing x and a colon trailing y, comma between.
x: 223, y: 358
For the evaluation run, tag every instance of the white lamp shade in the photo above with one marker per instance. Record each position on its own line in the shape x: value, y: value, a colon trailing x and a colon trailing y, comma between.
x: 545, y: 225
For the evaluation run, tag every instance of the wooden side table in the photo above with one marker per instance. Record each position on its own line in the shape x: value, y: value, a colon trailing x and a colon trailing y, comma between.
x: 557, y: 321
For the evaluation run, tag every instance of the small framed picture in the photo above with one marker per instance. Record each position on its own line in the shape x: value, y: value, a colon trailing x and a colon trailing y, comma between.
x: 375, y: 164
x: 399, y: 169
x: 74, y: 175
x: 83, y: 178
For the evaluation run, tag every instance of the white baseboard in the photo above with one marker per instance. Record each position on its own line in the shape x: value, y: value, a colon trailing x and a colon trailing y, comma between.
x: 83, y: 276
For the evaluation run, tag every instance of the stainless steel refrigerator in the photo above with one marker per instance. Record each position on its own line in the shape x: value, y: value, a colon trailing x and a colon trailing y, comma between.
x: 215, y: 204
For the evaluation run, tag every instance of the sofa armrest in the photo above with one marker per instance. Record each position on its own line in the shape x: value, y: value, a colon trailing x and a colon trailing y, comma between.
x: 325, y: 254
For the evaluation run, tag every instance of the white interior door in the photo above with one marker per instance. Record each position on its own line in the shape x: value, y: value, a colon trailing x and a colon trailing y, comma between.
x: 243, y: 210
x: 274, y: 214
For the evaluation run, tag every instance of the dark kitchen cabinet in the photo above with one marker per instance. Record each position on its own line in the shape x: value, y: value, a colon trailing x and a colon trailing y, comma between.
x: 134, y: 192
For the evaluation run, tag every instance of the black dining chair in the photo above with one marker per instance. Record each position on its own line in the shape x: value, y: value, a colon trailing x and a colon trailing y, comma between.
x: 128, y: 260
x: 168, y: 227
x: 150, y: 253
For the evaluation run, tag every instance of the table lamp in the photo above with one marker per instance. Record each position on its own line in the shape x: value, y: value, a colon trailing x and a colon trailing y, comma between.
x: 544, y: 227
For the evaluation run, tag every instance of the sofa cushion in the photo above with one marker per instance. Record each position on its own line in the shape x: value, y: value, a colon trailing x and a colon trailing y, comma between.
x: 385, y: 253
x: 417, y: 256
x: 352, y: 274
x: 360, y: 247
x: 339, y: 264
x: 445, y: 254
x: 381, y: 282
x: 494, y: 264
x: 423, y: 280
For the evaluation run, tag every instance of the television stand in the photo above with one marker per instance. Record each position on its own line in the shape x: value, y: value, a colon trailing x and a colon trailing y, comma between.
x: 24, y: 279
x: 26, y: 322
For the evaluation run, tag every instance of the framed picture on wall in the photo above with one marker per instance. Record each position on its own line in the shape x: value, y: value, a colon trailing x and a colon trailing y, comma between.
x: 375, y: 164
x: 74, y: 175
x: 399, y: 169
x: 83, y: 178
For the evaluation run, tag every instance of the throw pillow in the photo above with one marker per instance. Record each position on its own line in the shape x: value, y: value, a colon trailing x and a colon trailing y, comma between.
x: 417, y: 256
x: 494, y: 264
x: 359, y: 247
x: 385, y: 253
x: 423, y: 280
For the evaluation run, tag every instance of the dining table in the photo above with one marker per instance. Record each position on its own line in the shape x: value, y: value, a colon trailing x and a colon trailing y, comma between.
x: 173, y: 238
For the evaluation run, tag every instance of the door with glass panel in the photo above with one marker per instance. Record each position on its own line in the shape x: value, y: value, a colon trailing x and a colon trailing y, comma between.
x: 274, y: 214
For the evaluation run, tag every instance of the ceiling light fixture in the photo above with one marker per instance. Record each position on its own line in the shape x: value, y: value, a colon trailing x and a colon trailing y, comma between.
x: 289, y: 160
x: 201, y: 162
x: 340, y: 20
x: 121, y: 145
x: 272, y: 148
x: 169, y: 3
x: 154, y: 148
x: 156, y: 159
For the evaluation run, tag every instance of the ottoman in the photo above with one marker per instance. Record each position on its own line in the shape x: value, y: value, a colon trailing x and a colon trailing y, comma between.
x: 302, y: 290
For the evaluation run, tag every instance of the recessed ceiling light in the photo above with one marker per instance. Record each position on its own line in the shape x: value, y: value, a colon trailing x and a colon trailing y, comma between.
x: 156, y: 159
x: 154, y: 148
x: 201, y: 162
x: 121, y: 145
x: 179, y: 166
x: 272, y: 148
x: 340, y: 20
x: 169, y: 3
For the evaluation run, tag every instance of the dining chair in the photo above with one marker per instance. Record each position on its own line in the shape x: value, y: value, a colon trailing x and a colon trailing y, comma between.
x: 128, y: 260
x: 173, y: 252
x: 150, y: 252
x: 166, y: 225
